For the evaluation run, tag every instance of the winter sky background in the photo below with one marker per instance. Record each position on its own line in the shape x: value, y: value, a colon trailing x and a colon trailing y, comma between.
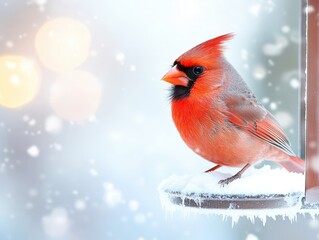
x: 85, y: 146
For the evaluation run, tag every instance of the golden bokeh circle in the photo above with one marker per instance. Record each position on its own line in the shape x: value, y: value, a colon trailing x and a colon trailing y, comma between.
x: 63, y: 44
x: 19, y: 80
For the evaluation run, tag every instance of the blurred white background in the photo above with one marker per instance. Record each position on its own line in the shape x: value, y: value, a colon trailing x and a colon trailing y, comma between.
x: 83, y: 151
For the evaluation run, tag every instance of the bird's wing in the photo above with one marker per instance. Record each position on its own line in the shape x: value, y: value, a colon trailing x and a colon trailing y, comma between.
x: 245, y: 112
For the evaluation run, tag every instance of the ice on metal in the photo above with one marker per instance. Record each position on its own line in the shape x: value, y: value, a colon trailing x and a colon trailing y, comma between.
x: 278, y: 192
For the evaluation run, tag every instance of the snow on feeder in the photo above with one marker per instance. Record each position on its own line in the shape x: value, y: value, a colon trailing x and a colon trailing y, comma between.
x: 259, y: 193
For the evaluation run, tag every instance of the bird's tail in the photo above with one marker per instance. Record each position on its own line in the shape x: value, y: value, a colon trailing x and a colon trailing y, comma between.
x: 294, y: 164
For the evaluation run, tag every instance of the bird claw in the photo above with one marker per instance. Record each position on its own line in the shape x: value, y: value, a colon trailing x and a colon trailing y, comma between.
x: 226, y: 181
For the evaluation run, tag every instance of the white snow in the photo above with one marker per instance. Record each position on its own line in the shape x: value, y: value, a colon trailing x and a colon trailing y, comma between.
x: 120, y: 57
x: 56, y: 146
x: 244, y: 54
x: 53, y: 124
x: 284, y: 118
x: 133, y: 205
x: 40, y: 2
x: 57, y: 223
x: 80, y: 204
x: 273, y: 106
x: 264, y: 181
x: 275, y: 49
x: 251, y: 236
x: 294, y: 83
x: 33, y: 151
x: 271, y: 62
x: 140, y: 218
x: 32, y: 122
x: 259, y: 72
x: 9, y: 44
x: 255, y: 9
x: 265, y: 100
x: 254, y: 181
x: 113, y: 196
x: 285, y: 29
x: 133, y: 68
x: 94, y: 172
x: 314, y: 223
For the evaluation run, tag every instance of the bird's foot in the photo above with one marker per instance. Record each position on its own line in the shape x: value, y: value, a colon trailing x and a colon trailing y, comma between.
x: 226, y: 181
x: 236, y: 176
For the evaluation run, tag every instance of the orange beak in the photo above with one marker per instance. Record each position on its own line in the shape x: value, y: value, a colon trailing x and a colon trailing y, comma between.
x: 176, y: 77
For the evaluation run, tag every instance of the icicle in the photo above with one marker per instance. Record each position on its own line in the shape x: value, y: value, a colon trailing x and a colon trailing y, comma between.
x: 201, y: 194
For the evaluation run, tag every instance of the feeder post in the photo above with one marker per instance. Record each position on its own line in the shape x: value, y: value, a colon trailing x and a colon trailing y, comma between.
x: 312, y: 102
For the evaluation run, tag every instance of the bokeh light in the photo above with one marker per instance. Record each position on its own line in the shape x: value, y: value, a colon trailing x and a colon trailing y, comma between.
x: 63, y: 44
x: 63, y: 180
x: 19, y: 80
x: 75, y: 96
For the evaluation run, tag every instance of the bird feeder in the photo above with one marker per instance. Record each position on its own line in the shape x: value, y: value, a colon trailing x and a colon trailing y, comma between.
x: 304, y: 198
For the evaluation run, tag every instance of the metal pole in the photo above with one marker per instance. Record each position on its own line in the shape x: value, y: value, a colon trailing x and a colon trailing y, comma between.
x: 312, y: 103
x: 302, y: 77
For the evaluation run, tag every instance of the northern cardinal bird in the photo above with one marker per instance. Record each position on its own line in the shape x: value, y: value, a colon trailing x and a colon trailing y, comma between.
x: 219, y: 117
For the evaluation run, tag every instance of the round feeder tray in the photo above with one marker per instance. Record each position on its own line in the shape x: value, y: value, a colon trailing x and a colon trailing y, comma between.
x: 217, y: 201
x: 261, y: 193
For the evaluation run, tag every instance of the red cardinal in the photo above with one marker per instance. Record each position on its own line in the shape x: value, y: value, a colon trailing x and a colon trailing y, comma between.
x: 219, y: 117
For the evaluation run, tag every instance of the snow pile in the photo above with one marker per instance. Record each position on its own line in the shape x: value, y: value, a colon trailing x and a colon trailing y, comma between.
x: 193, y: 194
x: 253, y: 182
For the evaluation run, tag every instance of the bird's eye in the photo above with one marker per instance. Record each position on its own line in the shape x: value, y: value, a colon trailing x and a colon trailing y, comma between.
x: 198, y: 70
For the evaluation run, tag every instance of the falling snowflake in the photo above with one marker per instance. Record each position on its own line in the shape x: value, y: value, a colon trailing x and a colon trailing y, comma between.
x: 294, y: 83
x: 275, y: 49
x: 113, y: 196
x: 273, y: 106
x: 53, y: 124
x: 120, y: 57
x: 133, y: 205
x: 314, y: 223
x: 132, y: 68
x: 56, y: 146
x: 285, y: 29
x: 284, y: 118
x: 33, y: 151
x: 80, y: 204
x: 40, y: 3
x: 94, y: 172
x: 244, y: 54
x: 255, y: 9
x: 57, y: 223
x: 259, y: 72
x: 140, y: 218
x: 9, y: 44
x: 251, y: 236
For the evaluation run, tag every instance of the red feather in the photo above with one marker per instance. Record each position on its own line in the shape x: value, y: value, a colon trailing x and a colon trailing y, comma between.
x: 205, y: 53
x: 252, y: 117
x: 221, y: 119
